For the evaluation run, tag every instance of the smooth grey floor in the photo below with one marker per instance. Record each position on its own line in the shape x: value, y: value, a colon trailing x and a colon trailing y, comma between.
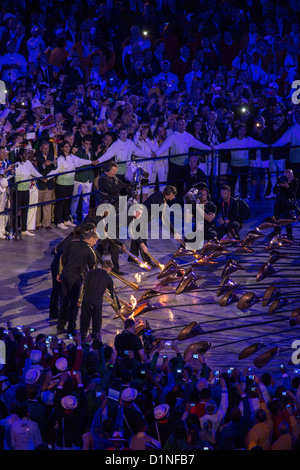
x: 25, y: 286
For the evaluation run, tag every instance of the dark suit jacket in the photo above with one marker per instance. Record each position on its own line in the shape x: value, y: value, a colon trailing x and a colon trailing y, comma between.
x: 95, y: 284
x: 44, y: 170
x: 76, y: 260
x: 88, y: 175
x: 230, y: 210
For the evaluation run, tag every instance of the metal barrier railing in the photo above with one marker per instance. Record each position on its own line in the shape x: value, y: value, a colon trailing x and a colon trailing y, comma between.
x: 14, y: 208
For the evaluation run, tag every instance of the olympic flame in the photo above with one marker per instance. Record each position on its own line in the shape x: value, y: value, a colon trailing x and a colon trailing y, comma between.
x: 133, y: 301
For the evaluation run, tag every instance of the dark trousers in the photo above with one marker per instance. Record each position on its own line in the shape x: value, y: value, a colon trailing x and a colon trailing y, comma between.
x: 22, y: 199
x: 55, y: 291
x: 103, y: 245
x: 242, y: 172
x: 296, y: 170
x: 90, y: 312
x: 135, y: 250
x: 174, y: 177
x: 68, y: 309
x: 281, y: 211
x: 62, y: 208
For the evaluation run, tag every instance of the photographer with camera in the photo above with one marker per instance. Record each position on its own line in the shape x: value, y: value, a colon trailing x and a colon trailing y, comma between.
x: 128, y: 344
x: 286, y: 201
x: 228, y: 210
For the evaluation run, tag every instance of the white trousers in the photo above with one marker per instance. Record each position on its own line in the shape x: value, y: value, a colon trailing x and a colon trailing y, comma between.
x: 31, y: 216
x: 3, y: 217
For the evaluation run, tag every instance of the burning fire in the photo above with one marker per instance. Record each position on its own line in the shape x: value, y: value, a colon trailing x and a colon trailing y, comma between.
x: 138, y: 277
x: 133, y: 301
x: 145, y: 265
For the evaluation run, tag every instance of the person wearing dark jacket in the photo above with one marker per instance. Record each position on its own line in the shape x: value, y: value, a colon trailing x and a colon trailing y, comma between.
x: 45, y: 164
x: 70, y: 411
x: 89, y: 223
x: 193, y: 174
x: 84, y: 179
x: 75, y: 261
x: 96, y: 282
x: 286, y: 201
x: 232, y: 435
x: 228, y: 211
x: 109, y: 191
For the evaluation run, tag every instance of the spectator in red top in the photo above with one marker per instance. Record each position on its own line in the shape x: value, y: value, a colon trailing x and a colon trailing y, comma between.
x: 229, y: 49
x: 181, y: 65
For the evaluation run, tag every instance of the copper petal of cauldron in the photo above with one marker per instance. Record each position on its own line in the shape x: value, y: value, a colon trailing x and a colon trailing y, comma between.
x: 168, y: 267
x: 275, y: 256
x: 264, y: 358
x: 148, y: 294
x: 229, y: 239
x: 226, y: 284
x: 209, y: 246
x: 183, y: 252
x: 277, y: 304
x: 247, y: 300
x: 271, y: 293
x: 265, y: 271
x: 249, y: 350
x: 278, y: 241
x: 190, y: 331
x: 244, y: 249
x: 197, y: 348
x: 267, y: 223
x: 186, y: 284
x: 144, y: 307
x: 228, y: 298
x: 230, y: 267
x: 295, y: 317
x: 172, y: 277
x: 251, y: 236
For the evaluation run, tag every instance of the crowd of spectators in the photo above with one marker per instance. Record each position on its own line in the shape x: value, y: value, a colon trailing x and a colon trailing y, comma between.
x: 88, y: 395
x: 96, y: 70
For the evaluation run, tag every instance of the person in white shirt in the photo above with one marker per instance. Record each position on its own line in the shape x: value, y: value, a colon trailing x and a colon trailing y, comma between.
x: 24, y: 171
x: 195, y: 72
x: 240, y: 158
x: 122, y: 150
x: 170, y: 78
x: 161, y: 165
x: 35, y: 45
x: 12, y: 64
x: 66, y: 162
x: 33, y: 198
x: 179, y: 143
x: 148, y: 145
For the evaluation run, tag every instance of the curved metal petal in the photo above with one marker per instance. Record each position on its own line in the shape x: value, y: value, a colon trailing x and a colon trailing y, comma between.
x: 190, y: 331
x: 186, y: 284
x: 295, y: 317
x: 247, y: 300
x: 228, y: 298
x: 230, y: 267
x: 277, y: 304
x: 265, y: 358
x: 249, y: 350
x: 226, y: 284
x: 198, y: 348
x: 271, y: 293
x: 265, y: 271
